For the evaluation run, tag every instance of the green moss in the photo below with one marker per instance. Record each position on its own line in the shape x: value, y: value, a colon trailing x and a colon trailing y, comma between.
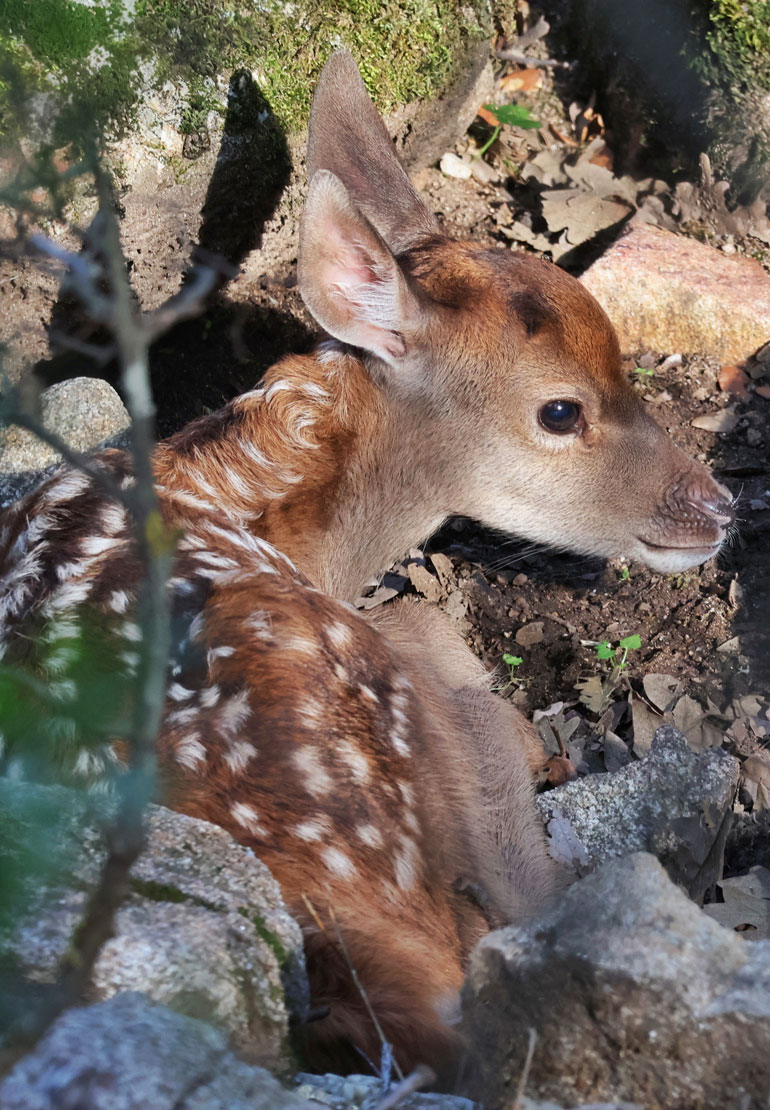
x: 165, y: 892
x: 90, y: 56
x: 81, y: 61
x: 738, y: 37
x: 268, y: 936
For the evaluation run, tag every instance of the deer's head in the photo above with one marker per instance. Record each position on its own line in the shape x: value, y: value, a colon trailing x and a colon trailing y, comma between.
x: 511, y: 367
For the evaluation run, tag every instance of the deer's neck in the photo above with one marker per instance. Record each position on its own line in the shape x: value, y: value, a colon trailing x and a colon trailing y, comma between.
x: 319, y: 463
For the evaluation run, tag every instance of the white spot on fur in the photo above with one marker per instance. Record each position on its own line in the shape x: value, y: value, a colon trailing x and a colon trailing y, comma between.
x: 224, y: 651
x: 233, y: 713
x: 119, y: 601
x: 315, y: 829
x: 311, y: 712
x: 131, y: 631
x: 370, y: 835
x: 190, y: 752
x: 317, y: 780
x: 368, y: 693
x: 355, y: 759
x: 247, y: 816
x: 281, y: 386
x: 183, y: 716
x: 405, y: 863
x: 338, y: 863
x: 339, y: 636
x: 210, y: 696
x: 177, y: 692
x: 239, y: 755
x: 260, y: 622
x: 69, y: 485
x: 340, y: 672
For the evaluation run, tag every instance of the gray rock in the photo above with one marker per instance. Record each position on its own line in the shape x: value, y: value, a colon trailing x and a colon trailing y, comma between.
x: 204, y: 931
x: 675, y: 803
x: 85, y: 412
x: 365, y: 1092
x: 132, y: 1054
x: 634, y: 993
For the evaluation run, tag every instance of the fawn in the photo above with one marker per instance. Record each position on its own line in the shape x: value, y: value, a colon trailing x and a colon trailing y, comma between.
x: 362, y: 756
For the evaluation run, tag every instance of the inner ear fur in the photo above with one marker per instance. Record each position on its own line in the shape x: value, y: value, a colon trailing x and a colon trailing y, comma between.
x: 348, y: 138
x: 349, y: 279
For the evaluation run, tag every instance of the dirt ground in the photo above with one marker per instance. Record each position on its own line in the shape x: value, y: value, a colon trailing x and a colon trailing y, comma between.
x: 708, y: 629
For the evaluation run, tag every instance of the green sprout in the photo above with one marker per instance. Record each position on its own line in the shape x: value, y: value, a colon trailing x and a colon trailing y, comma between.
x: 516, y: 115
x: 644, y: 372
x: 625, y: 574
x: 605, y: 650
x: 511, y: 662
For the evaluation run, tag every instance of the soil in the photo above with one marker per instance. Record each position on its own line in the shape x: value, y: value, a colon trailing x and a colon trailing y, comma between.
x: 710, y: 627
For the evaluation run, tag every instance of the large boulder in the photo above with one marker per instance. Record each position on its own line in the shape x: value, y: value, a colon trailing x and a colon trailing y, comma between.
x: 634, y: 993
x: 204, y: 931
x: 666, y: 292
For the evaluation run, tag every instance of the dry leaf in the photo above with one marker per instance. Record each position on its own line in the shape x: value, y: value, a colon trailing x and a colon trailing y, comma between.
x: 746, y: 903
x: 645, y: 722
x: 616, y: 754
x: 734, y: 380
x: 526, y: 80
x: 488, y: 117
x: 560, y: 769
x: 581, y: 214
x: 722, y: 421
x: 662, y: 690
x: 756, y: 770
x: 424, y: 582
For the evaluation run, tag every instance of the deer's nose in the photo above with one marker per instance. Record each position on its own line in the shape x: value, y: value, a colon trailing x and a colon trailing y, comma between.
x: 716, y: 502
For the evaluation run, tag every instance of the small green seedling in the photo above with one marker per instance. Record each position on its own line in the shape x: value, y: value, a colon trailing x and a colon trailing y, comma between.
x: 511, y: 662
x: 625, y: 574
x: 605, y: 650
x: 644, y: 372
x: 514, y: 114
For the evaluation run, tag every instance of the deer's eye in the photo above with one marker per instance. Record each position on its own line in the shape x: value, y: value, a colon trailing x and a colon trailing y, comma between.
x: 560, y: 416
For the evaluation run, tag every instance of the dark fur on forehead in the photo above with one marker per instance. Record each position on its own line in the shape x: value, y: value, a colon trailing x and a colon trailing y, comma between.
x: 532, y: 310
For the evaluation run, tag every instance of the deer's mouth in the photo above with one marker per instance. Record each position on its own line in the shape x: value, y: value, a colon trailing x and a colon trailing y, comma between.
x: 671, y: 558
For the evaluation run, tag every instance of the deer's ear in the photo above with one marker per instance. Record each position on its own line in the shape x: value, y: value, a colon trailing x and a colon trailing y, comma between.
x: 347, y: 137
x: 348, y: 278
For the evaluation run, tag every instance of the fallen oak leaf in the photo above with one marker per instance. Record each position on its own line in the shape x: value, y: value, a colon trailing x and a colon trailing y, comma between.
x: 488, y: 116
x: 733, y: 380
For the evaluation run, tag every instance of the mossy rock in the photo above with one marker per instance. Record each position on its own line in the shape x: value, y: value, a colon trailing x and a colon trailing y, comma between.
x: 204, y: 105
x: 97, y: 61
x: 687, y: 75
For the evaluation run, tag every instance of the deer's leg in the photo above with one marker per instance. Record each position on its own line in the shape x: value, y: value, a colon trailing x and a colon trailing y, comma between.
x: 500, y: 751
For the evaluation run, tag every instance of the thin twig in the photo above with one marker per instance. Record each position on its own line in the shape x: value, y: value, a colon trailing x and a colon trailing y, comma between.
x: 524, y: 1077
x: 354, y: 975
x: 422, y: 1076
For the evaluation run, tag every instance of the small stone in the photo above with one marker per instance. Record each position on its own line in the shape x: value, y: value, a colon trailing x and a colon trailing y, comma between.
x: 520, y: 580
x: 754, y: 437
x: 530, y: 634
x: 452, y: 166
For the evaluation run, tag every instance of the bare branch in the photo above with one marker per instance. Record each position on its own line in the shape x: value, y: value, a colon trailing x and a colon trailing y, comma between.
x: 422, y: 1076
